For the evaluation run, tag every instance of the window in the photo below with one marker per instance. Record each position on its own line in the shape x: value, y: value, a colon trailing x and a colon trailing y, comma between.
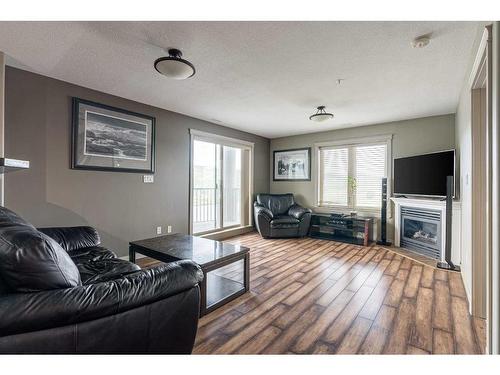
x: 220, y: 183
x: 368, y: 172
x: 350, y: 174
x: 335, y: 166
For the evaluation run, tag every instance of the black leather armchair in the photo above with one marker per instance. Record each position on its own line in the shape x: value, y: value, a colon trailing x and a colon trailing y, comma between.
x: 278, y: 216
x: 60, y: 292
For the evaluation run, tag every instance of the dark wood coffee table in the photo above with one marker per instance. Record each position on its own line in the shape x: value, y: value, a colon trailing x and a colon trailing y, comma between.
x: 226, y: 267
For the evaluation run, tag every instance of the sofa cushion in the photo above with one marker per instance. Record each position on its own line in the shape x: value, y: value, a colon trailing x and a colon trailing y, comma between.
x: 73, y: 238
x: 30, y: 260
x: 96, y: 271
x: 284, y: 221
x: 92, y: 253
x: 4, y: 288
x: 279, y: 204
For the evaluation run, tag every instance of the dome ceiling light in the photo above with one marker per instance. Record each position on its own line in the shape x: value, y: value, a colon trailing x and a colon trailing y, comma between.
x: 173, y: 66
x: 321, y: 115
x: 421, y: 41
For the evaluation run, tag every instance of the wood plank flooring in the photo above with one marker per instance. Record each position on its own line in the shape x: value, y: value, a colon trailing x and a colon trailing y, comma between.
x: 323, y: 297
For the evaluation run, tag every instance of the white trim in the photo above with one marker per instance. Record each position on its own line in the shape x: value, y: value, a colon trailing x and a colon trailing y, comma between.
x: 387, y: 138
x: 479, y: 57
x: 355, y: 141
x: 227, y: 233
x: 227, y: 141
x: 494, y: 321
x: 482, y: 75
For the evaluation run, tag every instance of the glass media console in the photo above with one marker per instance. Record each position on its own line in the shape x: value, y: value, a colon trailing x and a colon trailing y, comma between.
x: 342, y: 228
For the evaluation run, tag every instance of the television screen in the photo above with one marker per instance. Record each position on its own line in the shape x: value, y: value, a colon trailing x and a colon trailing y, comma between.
x: 424, y: 174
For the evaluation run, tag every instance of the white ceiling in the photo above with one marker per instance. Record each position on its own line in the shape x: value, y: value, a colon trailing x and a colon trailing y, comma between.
x: 262, y: 77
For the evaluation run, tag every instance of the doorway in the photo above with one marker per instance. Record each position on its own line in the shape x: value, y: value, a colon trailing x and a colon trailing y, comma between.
x: 481, y: 182
x: 220, y: 183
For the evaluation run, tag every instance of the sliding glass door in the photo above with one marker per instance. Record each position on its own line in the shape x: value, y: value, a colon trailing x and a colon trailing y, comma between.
x: 231, y: 183
x: 218, y: 194
x: 205, y: 185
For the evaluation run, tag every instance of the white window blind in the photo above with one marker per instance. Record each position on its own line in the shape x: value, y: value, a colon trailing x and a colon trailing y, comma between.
x: 334, y: 171
x: 351, y: 175
x: 369, y: 170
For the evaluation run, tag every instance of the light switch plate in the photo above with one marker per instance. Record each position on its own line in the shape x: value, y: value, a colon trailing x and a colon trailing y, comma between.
x: 158, y: 230
x: 148, y: 178
x: 169, y: 229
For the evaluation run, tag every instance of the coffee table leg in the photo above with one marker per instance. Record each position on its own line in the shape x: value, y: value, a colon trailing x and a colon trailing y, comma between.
x: 131, y: 254
x: 203, y: 295
x: 247, y: 272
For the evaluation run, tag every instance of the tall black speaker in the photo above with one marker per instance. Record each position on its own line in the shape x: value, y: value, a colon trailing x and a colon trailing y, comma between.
x: 448, y: 264
x: 383, y: 216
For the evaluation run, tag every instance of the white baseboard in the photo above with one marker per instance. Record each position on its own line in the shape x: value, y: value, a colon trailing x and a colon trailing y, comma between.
x: 223, y: 234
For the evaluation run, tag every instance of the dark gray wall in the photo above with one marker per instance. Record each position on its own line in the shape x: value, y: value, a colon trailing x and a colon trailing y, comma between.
x: 119, y: 205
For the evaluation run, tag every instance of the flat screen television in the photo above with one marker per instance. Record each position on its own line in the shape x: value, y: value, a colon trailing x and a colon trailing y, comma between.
x: 424, y: 175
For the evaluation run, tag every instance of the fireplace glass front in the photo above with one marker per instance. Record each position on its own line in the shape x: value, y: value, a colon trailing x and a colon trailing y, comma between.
x: 421, y: 231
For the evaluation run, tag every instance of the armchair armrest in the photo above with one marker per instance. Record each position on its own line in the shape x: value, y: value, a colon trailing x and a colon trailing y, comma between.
x: 73, y: 238
x: 261, y: 210
x: 24, y: 312
x: 298, y: 211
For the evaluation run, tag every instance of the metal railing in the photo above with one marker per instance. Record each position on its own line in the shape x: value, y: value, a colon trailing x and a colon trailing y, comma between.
x: 206, y: 205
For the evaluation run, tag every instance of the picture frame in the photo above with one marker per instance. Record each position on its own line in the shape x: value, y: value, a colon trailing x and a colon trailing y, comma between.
x: 292, y: 164
x: 106, y: 138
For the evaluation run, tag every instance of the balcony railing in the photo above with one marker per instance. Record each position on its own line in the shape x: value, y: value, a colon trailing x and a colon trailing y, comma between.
x: 206, y: 208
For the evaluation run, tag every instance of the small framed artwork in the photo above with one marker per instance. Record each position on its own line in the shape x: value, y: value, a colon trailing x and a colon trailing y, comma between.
x: 111, y: 139
x: 292, y: 165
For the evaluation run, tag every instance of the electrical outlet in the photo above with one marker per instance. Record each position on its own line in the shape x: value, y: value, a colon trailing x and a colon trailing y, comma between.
x: 148, y: 178
x: 169, y: 229
x: 158, y: 230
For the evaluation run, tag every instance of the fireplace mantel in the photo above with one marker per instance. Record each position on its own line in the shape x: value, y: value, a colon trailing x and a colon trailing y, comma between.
x: 431, y: 204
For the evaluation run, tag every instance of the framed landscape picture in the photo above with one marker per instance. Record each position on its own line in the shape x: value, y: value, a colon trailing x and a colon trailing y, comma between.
x: 112, y: 139
x: 292, y: 165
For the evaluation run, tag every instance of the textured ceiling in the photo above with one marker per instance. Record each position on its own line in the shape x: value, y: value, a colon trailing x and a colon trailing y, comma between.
x: 262, y: 77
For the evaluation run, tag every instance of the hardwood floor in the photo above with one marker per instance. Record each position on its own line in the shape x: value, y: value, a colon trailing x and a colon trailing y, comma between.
x: 315, y: 296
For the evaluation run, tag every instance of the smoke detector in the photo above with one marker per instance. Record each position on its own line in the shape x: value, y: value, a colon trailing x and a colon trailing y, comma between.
x: 421, y: 41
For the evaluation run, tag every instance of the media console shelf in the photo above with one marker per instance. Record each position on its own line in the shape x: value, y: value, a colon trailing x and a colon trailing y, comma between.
x: 351, y: 229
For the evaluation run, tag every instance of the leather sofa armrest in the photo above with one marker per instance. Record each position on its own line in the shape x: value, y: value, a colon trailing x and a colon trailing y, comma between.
x: 26, y: 312
x: 298, y: 211
x: 73, y: 238
x: 261, y: 210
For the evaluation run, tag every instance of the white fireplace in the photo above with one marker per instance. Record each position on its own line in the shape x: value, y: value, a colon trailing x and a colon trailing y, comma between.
x: 420, y: 226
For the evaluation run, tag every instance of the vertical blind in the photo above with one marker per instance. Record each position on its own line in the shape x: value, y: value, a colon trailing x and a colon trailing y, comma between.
x: 370, y: 168
x: 335, y: 171
x: 350, y: 176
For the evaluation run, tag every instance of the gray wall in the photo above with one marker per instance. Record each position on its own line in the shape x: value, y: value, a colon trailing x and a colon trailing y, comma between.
x: 410, y: 137
x: 119, y: 205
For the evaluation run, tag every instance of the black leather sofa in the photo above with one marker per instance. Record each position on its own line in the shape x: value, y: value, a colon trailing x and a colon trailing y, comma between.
x: 60, y: 292
x: 278, y: 216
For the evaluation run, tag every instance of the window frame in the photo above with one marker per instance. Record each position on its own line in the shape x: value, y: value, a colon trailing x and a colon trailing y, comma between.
x: 350, y: 143
x: 198, y: 135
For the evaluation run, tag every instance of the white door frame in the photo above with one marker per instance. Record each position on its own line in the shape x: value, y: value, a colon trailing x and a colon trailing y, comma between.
x: 227, y: 141
x: 480, y: 86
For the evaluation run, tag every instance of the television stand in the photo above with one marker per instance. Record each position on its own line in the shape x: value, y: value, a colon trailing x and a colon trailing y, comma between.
x: 341, y: 228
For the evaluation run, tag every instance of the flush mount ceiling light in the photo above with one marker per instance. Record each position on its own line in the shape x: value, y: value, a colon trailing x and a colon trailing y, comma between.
x: 421, y: 41
x: 321, y: 115
x: 173, y: 66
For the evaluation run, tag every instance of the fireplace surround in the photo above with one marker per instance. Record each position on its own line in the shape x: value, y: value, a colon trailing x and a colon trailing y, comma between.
x: 429, y: 217
x: 421, y: 231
